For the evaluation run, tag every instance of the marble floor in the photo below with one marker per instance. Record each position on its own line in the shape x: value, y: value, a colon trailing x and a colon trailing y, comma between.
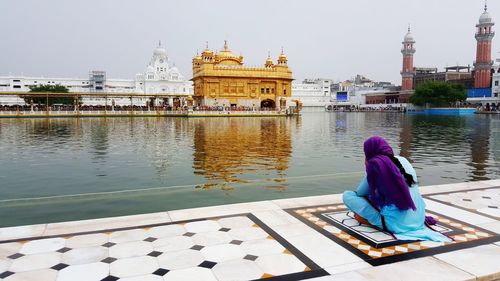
x: 313, y: 238
x: 484, y: 201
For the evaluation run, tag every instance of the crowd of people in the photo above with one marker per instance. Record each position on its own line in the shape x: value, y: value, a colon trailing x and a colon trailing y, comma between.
x: 230, y: 108
x: 356, y: 108
x: 166, y: 107
x: 61, y: 107
x: 490, y: 107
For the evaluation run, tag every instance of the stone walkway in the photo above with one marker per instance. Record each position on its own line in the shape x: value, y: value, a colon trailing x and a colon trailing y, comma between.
x: 289, y: 239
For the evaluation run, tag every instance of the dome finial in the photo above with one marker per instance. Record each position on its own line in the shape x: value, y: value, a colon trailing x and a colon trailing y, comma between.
x: 282, y: 49
x: 225, y: 45
x: 485, y: 5
x: 206, y: 45
x: 159, y: 43
x: 409, y: 27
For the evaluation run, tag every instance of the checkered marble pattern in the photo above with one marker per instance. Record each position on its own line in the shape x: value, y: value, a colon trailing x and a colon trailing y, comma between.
x: 228, y: 248
x: 377, y: 247
x: 373, y: 236
x: 482, y: 201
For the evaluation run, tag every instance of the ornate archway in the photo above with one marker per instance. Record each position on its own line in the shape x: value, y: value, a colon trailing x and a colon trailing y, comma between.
x: 267, y: 104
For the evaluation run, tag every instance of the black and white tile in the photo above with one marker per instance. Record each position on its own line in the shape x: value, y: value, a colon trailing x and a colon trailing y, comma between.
x: 225, y: 248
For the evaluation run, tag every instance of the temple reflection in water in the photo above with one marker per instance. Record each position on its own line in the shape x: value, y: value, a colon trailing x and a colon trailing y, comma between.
x: 234, y: 150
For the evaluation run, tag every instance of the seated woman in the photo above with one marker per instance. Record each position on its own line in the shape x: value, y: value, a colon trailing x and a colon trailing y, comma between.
x: 388, y: 196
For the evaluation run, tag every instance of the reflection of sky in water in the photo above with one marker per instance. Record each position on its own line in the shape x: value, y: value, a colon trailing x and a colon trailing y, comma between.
x: 156, y: 164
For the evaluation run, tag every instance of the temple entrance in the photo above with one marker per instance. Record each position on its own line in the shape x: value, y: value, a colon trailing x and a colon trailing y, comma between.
x: 267, y: 104
x: 176, y: 103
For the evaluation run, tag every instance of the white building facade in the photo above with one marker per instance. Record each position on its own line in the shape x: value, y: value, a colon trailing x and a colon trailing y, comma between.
x: 312, y: 92
x: 160, y: 77
x: 495, y: 81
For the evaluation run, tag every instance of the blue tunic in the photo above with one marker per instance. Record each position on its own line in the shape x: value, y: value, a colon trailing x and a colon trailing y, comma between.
x: 405, y: 225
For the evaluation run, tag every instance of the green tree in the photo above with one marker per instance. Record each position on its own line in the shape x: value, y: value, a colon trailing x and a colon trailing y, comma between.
x: 438, y: 94
x: 58, y: 98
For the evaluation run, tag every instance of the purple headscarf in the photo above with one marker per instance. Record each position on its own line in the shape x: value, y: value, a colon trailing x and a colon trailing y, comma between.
x: 386, y: 183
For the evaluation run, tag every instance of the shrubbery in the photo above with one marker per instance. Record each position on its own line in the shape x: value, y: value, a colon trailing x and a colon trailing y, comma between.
x: 41, y: 99
x: 438, y: 94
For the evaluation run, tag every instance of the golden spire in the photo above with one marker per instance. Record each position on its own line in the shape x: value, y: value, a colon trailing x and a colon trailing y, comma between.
x: 269, y: 61
x: 282, y: 58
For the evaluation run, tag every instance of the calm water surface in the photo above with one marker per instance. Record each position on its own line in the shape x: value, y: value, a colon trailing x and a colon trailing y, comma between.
x: 67, y: 169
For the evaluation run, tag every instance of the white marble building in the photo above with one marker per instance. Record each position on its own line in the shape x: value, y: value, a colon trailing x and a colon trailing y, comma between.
x: 495, y: 83
x: 312, y: 93
x: 160, y: 77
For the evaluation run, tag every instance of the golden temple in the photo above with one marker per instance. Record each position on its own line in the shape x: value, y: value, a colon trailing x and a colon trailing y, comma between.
x: 221, y: 79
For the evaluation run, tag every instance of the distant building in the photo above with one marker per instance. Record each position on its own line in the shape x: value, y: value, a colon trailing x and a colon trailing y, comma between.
x: 313, y: 92
x: 496, y: 81
x: 457, y: 74
x: 356, y: 91
x: 160, y: 77
x: 221, y: 79
x: 387, y: 98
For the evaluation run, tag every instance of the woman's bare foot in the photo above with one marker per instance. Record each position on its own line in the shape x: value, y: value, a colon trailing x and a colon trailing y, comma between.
x: 361, y: 220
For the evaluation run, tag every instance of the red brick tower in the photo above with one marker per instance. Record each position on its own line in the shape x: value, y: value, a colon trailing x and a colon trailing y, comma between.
x: 483, y: 62
x: 407, y: 72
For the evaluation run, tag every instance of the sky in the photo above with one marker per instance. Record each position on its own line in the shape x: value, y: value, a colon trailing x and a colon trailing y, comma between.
x: 323, y: 39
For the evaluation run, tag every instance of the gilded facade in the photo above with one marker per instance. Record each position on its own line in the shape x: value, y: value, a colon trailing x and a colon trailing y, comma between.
x: 221, y: 79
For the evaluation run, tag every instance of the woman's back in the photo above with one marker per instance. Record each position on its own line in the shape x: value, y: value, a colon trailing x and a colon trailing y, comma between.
x: 409, y: 224
x: 398, y: 221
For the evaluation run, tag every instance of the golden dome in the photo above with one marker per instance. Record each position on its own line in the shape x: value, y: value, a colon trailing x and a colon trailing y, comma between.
x: 282, y: 55
x: 282, y: 60
x: 269, y: 61
x: 225, y: 56
x: 207, y: 51
x: 226, y: 53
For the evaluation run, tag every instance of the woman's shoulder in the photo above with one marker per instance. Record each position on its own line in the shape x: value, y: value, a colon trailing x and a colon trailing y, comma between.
x: 404, y: 162
x: 402, y: 159
x: 407, y: 166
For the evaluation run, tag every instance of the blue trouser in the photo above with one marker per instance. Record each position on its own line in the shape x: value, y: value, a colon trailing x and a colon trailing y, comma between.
x: 361, y: 206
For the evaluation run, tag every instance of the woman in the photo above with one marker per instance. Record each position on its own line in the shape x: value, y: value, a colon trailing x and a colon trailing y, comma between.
x: 388, y: 196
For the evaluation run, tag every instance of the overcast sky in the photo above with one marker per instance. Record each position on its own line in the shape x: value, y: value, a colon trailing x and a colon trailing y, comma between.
x: 329, y: 39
